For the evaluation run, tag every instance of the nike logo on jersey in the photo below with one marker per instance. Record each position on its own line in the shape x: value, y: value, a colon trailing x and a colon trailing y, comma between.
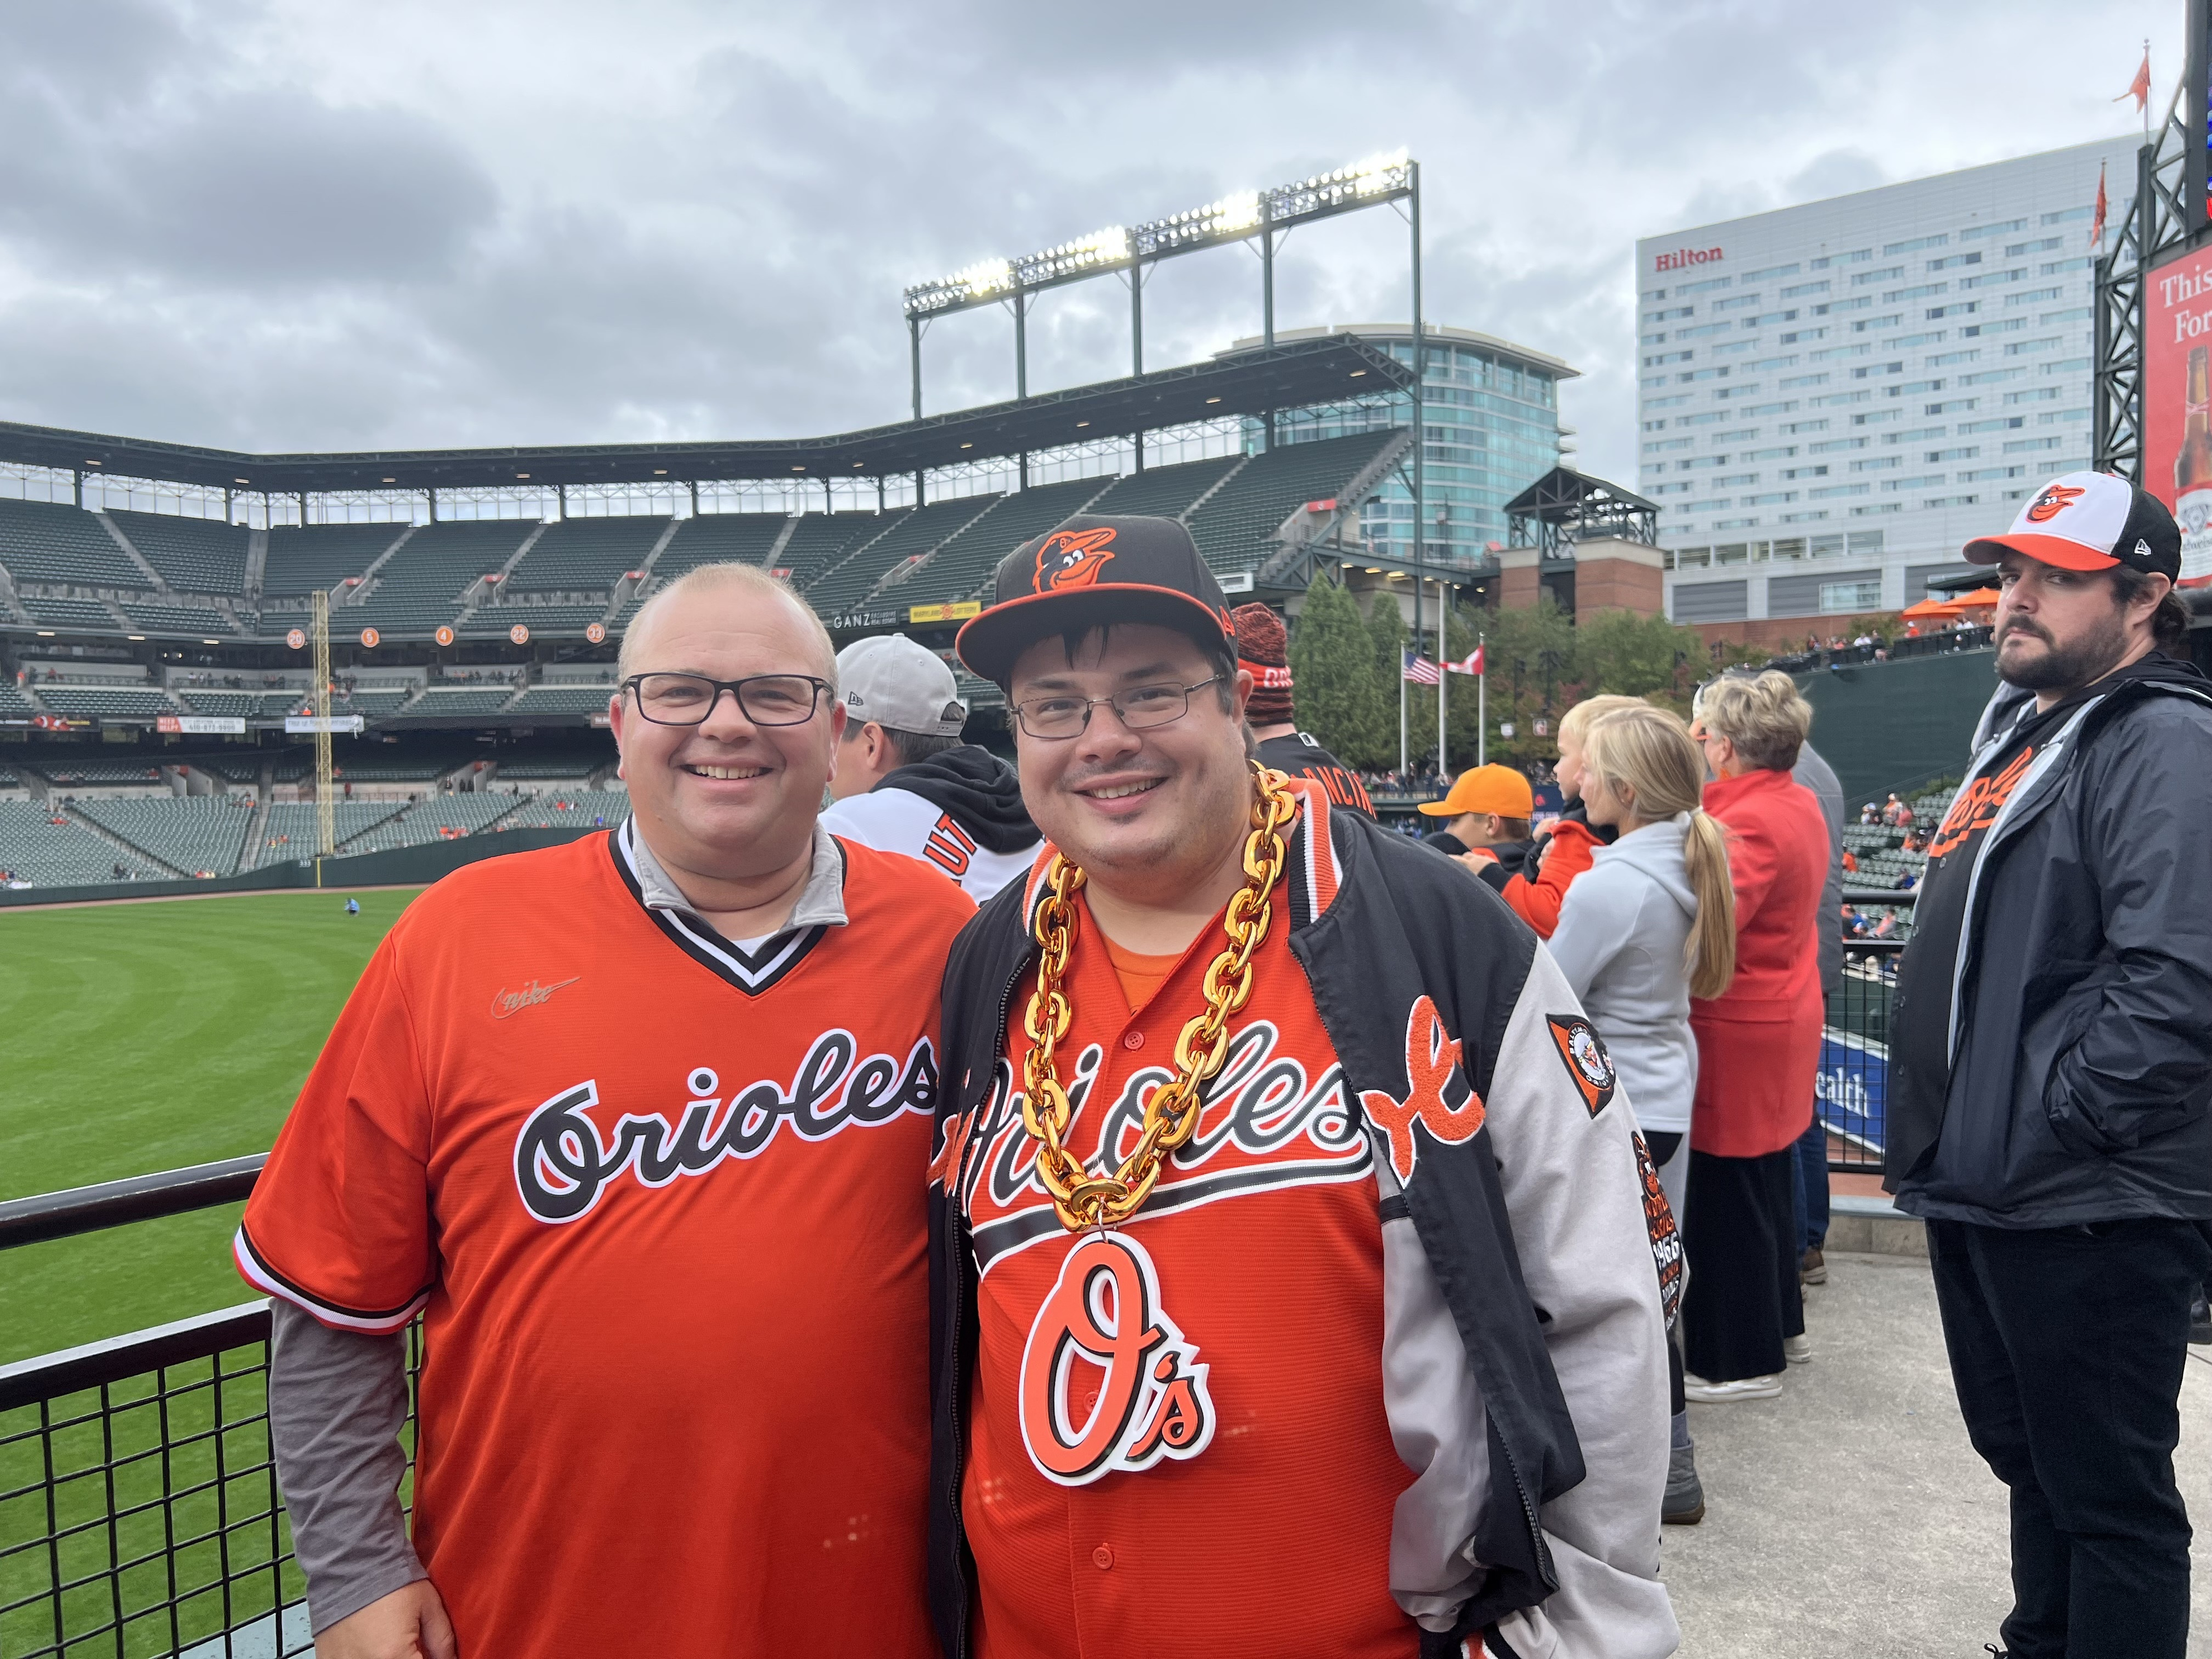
x: 563, y: 1164
x: 507, y: 1003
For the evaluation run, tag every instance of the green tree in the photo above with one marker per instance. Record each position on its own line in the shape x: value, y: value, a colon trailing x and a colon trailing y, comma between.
x: 1636, y: 656
x: 1386, y: 626
x: 1333, y: 666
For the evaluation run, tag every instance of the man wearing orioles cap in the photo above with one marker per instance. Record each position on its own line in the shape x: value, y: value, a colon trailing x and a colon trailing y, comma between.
x: 1292, y: 1248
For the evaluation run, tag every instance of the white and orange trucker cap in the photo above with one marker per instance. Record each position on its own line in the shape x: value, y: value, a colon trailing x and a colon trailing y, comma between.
x: 2090, y: 521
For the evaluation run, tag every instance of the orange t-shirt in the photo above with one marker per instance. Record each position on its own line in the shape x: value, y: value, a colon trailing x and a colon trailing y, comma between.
x: 1141, y: 976
x: 1253, y: 1514
x: 665, y: 1216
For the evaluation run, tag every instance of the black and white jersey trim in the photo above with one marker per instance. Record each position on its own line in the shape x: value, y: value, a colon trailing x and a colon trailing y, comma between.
x: 752, y: 972
x: 375, y: 1322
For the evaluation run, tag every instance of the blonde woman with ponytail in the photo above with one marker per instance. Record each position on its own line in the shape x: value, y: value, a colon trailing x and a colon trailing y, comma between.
x: 1650, y: 925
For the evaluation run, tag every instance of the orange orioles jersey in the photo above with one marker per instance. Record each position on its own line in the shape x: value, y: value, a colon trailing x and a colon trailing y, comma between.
x: 661, y: 1204
x: 1139, y: 1400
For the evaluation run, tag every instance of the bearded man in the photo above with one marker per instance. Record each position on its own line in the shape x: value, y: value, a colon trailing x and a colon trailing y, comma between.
x: 1292, y: 1249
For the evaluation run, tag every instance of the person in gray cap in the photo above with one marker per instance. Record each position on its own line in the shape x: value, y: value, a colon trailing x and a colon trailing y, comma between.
x: 905, y: 781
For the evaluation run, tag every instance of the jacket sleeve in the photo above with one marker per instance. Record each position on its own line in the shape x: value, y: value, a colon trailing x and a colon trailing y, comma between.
x: 2144, y: 1054
x: 1752, y: 865
x: 1569, y: 1172
x: 1565, y: 856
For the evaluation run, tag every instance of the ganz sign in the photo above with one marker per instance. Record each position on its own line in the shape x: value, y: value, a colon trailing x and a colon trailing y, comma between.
x: 1683, y: 257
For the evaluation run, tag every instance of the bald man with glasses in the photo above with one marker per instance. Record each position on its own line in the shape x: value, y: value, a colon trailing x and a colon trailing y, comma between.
x: 662, y: 1213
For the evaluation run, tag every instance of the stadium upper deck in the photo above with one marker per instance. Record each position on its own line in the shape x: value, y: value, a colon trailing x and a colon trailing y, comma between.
x: 525, y: 592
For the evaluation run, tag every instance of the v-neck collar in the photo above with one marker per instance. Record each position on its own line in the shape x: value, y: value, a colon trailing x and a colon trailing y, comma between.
x: 821, y: 906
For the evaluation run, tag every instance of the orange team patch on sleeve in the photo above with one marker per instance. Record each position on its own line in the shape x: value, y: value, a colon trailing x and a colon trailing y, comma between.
x: 1431, y: 1058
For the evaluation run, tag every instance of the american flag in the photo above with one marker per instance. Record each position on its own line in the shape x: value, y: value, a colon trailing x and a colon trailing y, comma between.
x: 1420, y: 670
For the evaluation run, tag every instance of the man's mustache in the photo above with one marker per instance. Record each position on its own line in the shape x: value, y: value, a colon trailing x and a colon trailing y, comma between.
x: 2019, y: 625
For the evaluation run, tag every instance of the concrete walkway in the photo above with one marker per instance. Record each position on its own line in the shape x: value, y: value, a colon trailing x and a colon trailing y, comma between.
x: 1850, y: 1519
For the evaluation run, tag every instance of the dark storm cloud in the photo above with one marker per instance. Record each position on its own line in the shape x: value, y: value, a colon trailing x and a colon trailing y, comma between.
x: 283, y: 225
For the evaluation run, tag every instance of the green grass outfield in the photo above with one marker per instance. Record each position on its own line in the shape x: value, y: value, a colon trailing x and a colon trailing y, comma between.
x: 148, y: 1036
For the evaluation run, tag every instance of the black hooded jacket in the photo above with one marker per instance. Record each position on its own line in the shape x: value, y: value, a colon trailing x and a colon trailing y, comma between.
x: 983, y: 793
x: 2079, y: 1041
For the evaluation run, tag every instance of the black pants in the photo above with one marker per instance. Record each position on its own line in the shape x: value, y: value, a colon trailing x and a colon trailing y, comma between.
x: 2067, y: 1345
x: 1739, y: 1246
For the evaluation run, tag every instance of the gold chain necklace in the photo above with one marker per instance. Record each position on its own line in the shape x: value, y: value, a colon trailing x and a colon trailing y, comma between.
x: 1172, y: 1115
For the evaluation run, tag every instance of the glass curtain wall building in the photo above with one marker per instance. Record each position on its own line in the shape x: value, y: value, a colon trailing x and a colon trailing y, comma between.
x: 1834, y: 398
x: 1492, y: 421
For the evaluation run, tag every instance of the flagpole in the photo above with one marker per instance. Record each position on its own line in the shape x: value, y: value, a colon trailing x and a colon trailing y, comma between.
x: 1402, y: 768
x: 1443, y: 675
x: 1482, y: 703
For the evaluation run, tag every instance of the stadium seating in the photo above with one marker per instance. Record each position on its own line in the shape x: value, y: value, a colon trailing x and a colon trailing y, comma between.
x: 839, y: 588
x: 818, y: 540
x: 960, y: 567
x: 13, y: 702
x: 192, y: 555
x: 1234, y: 530
x: 243, y: 705
x: 43, y: 846
x: 564, y: 699
x: 193, y: 835
x: 1165, y: 492
x: 117, y: 701
x: 291, y: 831
x: 720, y: 538
x: 65, y: 770
x: 40, y: 541
x: 444, y: 702
x: 321, y: 556
x: 542, y: 772
x: 419, y: 587
x: 586, y: 555
x: 562, y: 810
x: 82, y: 615
x: 201, y: 622
x: 438, y: 819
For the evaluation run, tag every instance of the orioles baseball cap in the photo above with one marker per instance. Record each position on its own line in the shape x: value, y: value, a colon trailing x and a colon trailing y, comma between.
x: 1485, y: 789
x: 898, y: 683
x: 1089, y: 571
x: 2090, y: 521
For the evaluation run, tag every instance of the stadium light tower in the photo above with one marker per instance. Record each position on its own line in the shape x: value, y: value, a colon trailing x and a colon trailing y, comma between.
x: 1244, y: 217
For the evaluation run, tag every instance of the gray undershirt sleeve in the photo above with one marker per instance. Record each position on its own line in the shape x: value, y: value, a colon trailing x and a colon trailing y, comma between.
x: 336, y: 1402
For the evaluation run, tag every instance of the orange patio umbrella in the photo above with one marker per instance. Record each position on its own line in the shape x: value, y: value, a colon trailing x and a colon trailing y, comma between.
x: 1927, y: 609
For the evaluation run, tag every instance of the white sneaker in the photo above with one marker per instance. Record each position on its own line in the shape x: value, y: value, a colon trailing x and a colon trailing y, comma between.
x: 1797, y: 1349
x: 1720, y: 1394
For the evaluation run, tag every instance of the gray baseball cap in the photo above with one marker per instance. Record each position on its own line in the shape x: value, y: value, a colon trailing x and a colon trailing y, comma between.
x: 891, y: 680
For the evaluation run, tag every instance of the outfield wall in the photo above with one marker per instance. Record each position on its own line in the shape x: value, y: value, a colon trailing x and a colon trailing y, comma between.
x: 397, y: 867
x: 1885, y: 725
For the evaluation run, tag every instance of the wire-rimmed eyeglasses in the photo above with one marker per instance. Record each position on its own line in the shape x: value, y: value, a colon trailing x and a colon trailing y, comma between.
x: 688, y: 699
x: 1055, y: 718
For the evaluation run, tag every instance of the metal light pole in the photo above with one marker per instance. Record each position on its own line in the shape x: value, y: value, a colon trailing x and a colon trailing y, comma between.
x: 1482, y: 702
x: 913, y: 337
x: 325, y: 809
x: 1442, y: 675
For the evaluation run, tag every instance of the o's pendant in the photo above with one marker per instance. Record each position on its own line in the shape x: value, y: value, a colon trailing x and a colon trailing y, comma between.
x: 1103, y: 1314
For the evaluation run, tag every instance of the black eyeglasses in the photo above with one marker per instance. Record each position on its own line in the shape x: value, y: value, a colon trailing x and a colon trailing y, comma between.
x: 1139, y: 707
x: 688, y: 699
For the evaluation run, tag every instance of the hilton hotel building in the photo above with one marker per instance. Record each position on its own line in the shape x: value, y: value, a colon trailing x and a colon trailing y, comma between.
x: 1834, y: 398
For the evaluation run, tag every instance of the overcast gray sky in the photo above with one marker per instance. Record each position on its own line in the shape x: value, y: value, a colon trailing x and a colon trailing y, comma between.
x: 277, y: 225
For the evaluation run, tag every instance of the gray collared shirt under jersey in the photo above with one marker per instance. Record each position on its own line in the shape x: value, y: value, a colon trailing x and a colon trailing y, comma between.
x: 821, y: 904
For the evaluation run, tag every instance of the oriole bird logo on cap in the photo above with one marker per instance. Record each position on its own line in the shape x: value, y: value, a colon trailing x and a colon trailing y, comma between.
x: 2051, y: 502
x: 1072, y: 558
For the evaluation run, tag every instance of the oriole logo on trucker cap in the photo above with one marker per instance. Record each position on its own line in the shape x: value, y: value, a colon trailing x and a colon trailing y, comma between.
x: 2090, y: 521
x: 1091, y: 571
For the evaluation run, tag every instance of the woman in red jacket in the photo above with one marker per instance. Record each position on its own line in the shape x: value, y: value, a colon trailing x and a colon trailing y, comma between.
x: 1758, y: 1047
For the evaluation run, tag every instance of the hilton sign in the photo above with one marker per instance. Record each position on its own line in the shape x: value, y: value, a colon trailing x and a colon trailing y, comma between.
x: 1681, y: 258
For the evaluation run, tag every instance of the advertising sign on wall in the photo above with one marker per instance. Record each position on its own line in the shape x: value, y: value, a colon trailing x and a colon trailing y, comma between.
x: 2176, y: 402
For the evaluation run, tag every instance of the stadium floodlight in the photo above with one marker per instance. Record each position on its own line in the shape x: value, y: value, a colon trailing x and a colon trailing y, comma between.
x: 1236, y: 217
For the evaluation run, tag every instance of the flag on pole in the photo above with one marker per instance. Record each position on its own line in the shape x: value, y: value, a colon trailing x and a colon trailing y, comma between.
x: 1471, y: 664
x: 2139, y: 89
x: 2097, y: 226
x: 1420, y: 670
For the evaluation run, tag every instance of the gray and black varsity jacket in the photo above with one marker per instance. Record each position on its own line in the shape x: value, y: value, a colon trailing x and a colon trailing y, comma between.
x: 1523, y: 1335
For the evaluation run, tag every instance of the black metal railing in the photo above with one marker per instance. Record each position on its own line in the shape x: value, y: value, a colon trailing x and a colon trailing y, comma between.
x: 139, y: 1509
x: 1853, y: 1087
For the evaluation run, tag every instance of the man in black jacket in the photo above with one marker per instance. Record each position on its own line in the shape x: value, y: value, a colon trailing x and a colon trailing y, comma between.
x: 2051, y: 1055
x: 1289, y: 1242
